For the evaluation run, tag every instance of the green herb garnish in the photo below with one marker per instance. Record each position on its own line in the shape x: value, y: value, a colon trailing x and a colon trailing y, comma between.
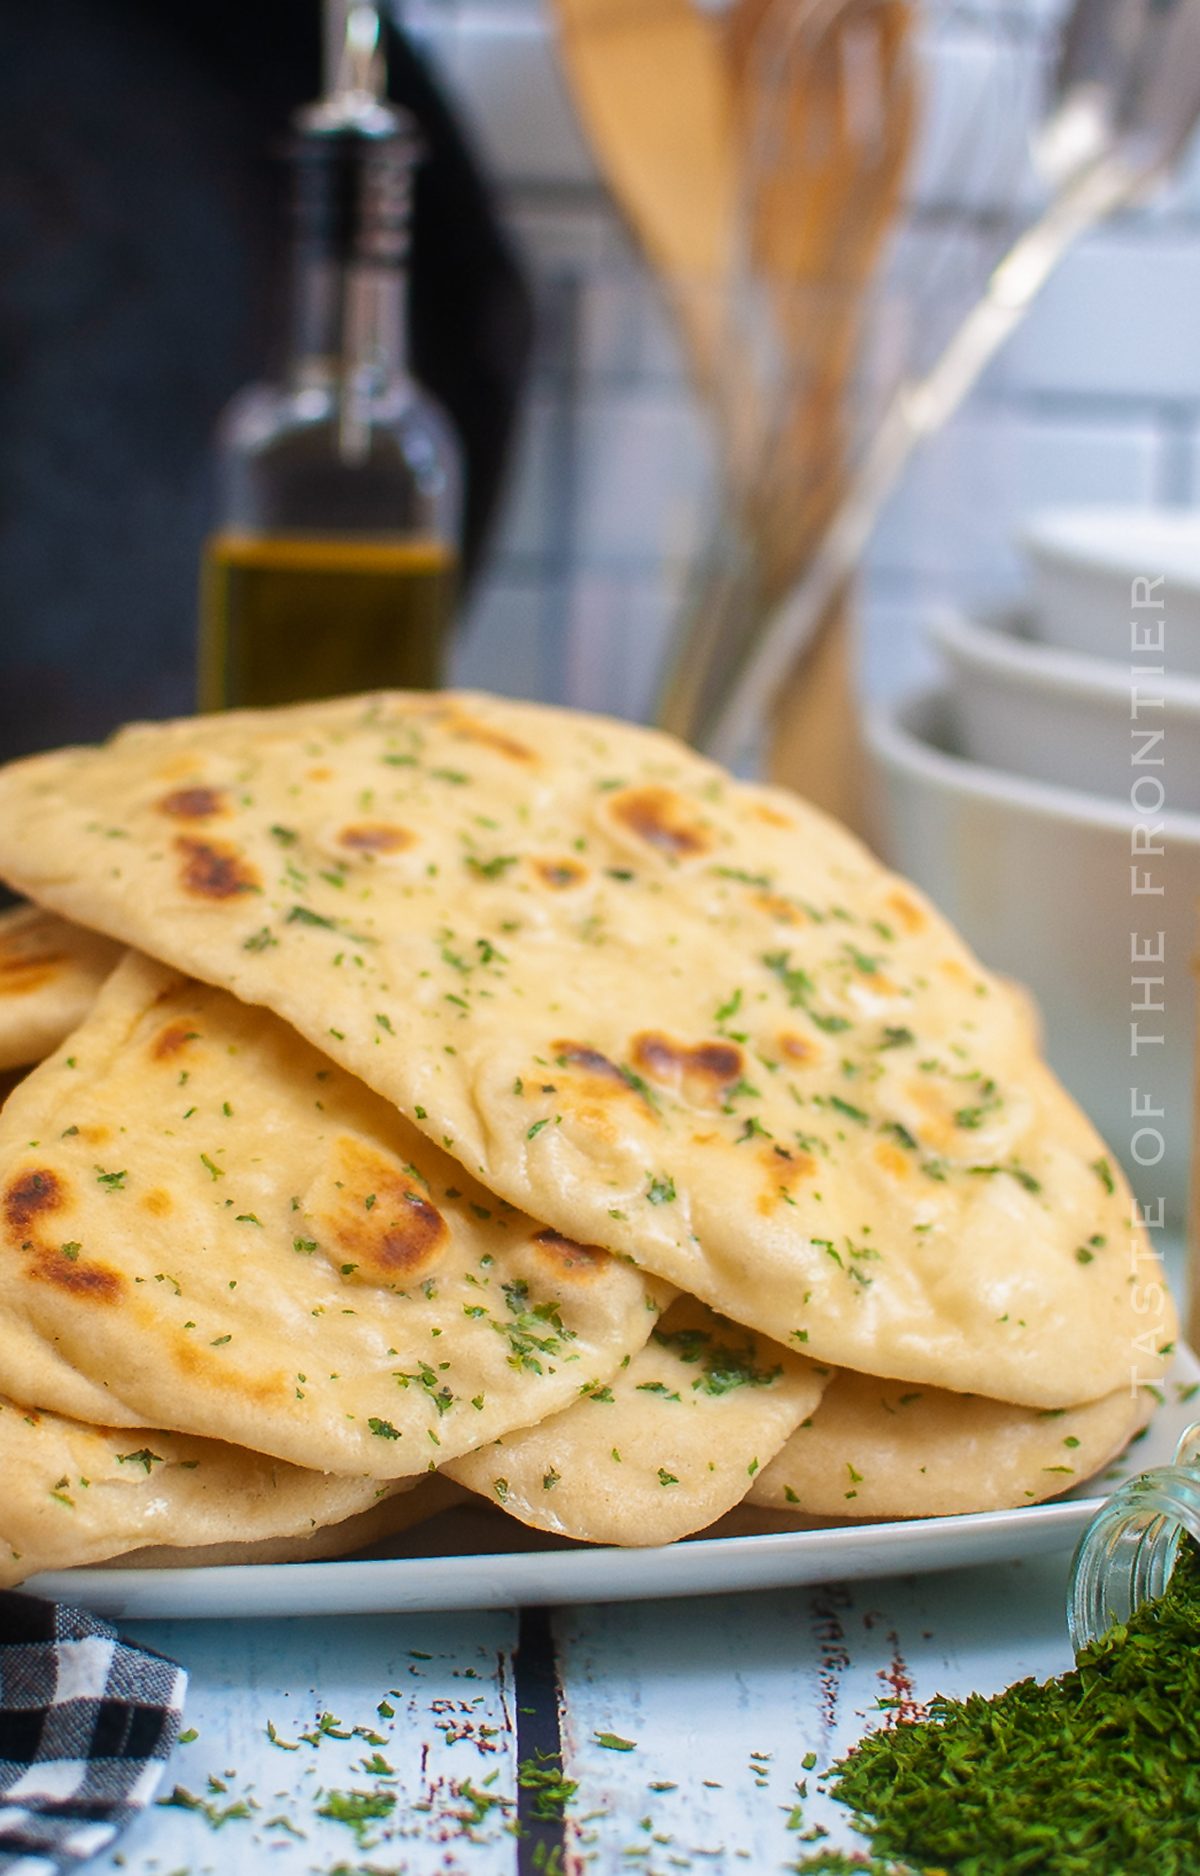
x: 1095, y: 1773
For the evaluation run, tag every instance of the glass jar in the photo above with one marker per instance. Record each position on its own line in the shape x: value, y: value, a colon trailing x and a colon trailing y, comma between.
x: 1127, y: 1554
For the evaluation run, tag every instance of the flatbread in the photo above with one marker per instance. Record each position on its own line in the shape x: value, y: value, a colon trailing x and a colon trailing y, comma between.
x: 873, y: 1449
x: 205, y: 1218
x: 405, y: 1504
x: 75, y: 1494
x: 50, y: 972
x: 684, y: 1017
x: 673, y: 1441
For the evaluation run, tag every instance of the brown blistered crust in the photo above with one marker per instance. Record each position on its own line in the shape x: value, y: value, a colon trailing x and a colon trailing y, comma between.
x: 213, y: 869
x: 559, y: 874
x: 581, y: 1055
x: 171, y: 1040
x: 194, y: 804
x: 382, y: 1227
x: 29, y: 1199
x: 21, y: 976
x: 663, y: 819
x: 565, y: 1257
x: 703, y: 1074
x: 96, y: 1282
x: 799, y: 1048
x: 467, y: 730
x: 376, y: 837
x: 31, y: 1195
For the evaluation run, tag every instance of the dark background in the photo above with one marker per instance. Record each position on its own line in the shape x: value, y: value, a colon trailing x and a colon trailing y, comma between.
x: 143, y: 231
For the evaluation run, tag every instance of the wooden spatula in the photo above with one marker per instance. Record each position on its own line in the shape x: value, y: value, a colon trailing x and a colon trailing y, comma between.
x: 652, y: 86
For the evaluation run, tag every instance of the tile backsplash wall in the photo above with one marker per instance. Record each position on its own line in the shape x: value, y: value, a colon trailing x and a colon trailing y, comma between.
x: 1096, y: 399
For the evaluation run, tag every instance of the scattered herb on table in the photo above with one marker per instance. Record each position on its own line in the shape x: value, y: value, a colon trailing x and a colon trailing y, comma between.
x: 181, y: 1799
x: 542, y: 1775
x: 359, y: 1811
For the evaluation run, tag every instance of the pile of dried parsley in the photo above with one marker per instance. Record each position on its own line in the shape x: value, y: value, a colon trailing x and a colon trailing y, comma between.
x: 1096, y: 1773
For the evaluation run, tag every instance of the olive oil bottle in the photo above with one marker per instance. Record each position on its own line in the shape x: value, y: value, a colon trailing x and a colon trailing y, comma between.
x: 332, y: 568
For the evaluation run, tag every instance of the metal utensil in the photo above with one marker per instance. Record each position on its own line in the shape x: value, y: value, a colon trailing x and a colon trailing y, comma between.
x: 1128, y: 97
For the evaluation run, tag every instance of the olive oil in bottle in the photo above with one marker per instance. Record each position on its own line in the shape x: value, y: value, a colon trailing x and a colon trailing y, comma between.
x: 289, y: 618
x: 333, y: 567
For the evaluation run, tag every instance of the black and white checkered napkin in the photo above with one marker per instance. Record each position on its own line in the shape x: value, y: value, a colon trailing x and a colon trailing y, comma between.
x: 86, y: 1721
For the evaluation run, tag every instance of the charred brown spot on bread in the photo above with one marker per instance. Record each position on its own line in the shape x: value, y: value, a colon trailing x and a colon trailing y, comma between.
x: 375, y: 1220
x: 907, y: 912
x: 220, y: 1375
x: 20, y: 977
x: 703, y: 1073
x: 95, y: 1134
x: 407, y: 1242
x: 559, y: 874
x: 469, y: 730
x: 158, y: 1202
x: 787, y: 1163
x: 662, y: 819
x: 582, y: 1055
x: 171, y: 1041
x: 783, y: 911
x: 798, y: 1048
x: 90, y: 1282
x: 376, y: 837
x: 596, y: 1077
x: 31, y: 1195
x: 596, y: 1122
x: 785, y: 1168
x: 194, y: 804
x: 213, y: 869
x: 566, y: 1257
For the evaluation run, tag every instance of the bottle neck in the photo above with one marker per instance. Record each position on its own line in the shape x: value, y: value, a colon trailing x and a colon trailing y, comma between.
x: 349, y: 326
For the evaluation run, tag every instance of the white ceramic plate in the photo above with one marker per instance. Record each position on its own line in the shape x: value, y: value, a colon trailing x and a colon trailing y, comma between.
x: 701, y: 1567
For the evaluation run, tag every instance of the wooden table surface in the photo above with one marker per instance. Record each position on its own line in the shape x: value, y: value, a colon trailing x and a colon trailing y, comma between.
x: 427, y: 1718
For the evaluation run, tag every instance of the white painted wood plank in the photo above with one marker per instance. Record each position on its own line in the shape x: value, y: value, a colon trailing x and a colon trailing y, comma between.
x: 702, y: 1686
x: 448, y: 1681
x: 723, y: 1696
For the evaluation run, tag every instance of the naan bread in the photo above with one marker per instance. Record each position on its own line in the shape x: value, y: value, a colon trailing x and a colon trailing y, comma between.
x: 684, y: 1017
x: 75, y: 1494
x: 204, y: 1217
x: 50, y: 972
x: 406, y: 1503
x: 672, y: 1442
x: 874, y: 1449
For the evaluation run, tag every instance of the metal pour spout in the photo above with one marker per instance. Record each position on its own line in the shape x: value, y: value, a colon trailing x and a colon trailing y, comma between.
x: 354, y: 74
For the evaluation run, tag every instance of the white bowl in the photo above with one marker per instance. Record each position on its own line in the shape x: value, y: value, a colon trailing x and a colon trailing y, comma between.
x: 1057, y: 716
x: 1037, y: 879
x: 1085, y: 563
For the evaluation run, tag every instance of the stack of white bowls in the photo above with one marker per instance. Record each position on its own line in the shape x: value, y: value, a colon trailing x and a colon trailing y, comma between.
x: 1048, y: 798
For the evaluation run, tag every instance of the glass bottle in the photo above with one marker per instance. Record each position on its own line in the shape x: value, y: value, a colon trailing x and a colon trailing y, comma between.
x: 1127, y: 1554
x: 332, y: 568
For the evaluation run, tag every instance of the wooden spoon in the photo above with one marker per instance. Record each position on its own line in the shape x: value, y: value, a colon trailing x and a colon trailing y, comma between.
x: 652, y: 86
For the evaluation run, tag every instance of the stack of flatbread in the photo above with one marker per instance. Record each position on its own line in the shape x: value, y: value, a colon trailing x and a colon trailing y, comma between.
x: 494, y: 1097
